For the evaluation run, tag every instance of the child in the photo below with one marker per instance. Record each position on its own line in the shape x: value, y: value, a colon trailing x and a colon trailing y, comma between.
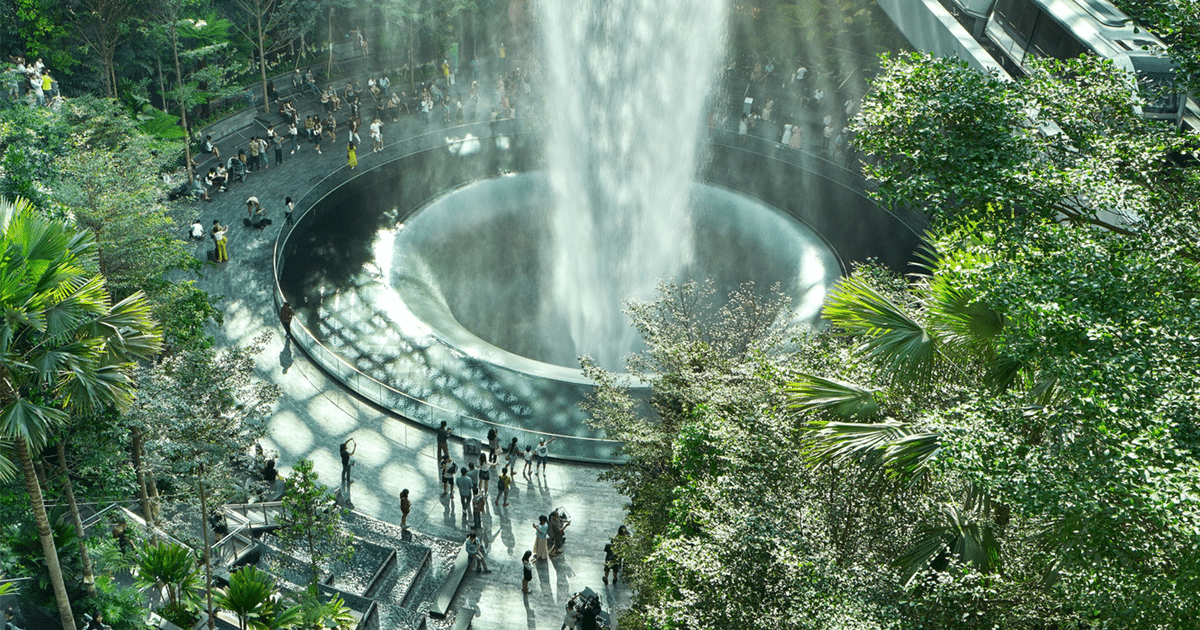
x: 528, y: 460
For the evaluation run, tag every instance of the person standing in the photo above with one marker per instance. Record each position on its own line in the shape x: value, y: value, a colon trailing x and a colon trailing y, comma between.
x: 528, y: 460
x: 502, y: 485
x: 526, y: 572
x: 285, y: 317
x: 473, y: 473
x: 540, y: 548
x: 289, y: 206
x: 294, y: 132
x: 464, y: 492
x: 376, y: 132
x: 493, y: 438
x: 351, y: 155
x: 278, y: 141
x: 346, y: 450
x: 443, y: 436
x: 218, y: 236
x: 406, y: 507
x: 543, y: 454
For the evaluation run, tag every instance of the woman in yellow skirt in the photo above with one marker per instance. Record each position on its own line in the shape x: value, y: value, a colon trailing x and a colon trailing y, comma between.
x: 351, y: 155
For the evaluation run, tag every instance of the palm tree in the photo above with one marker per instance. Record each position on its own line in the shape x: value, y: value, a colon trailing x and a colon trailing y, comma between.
x: 64, y: 347
x: 910, y: 347
x: 171, y: 567
x: 249, y: 596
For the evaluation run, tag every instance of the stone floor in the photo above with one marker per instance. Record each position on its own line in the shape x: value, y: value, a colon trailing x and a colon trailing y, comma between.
x: 315, y: 415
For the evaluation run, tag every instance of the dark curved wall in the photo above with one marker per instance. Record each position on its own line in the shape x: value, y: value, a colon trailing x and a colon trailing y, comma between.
x: 439, y: 382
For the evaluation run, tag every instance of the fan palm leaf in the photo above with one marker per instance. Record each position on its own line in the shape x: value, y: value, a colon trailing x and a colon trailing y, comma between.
x: 956, y: 537
x: 833, y: 396
x: 901, y: 452
x: 52, y: 360
x: 248, y: 595
x: 896, y: 342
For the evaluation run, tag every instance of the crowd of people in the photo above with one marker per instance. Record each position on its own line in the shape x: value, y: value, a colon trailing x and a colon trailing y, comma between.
x: 32, y: 83
x: 793, y: 108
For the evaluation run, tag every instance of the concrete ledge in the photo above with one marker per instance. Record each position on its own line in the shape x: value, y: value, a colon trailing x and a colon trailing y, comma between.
x: 231, y: 123
x: 441, y: 600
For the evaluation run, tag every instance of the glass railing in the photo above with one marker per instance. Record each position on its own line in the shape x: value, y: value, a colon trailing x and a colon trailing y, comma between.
x: 413, y: 408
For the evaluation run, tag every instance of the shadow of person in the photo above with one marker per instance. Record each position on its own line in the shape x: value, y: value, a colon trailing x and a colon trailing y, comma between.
x: 530, y: 614
x: 448, y: 509
x: 543, y: 571
x: 342, y: 497
x: 285, y: 355
x: 506, y: 533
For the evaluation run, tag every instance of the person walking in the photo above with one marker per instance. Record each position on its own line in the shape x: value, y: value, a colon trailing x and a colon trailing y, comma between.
x: 443, y: 437
x: 464, y: 492
x: 511, y: 454
x: 289, y: 206
x: 346, y: 450
x: 218, y: 236
x: 478, y: 505
x: 285, y: 317
x: 502, y: 486
x: 448, y: 470
x: 540, y: 548
x: 376, y: 133
x: 406, y: 507
x: 485, y: 473
x: 612, y: 559
x: 351, y: 155
x: 526, y: 572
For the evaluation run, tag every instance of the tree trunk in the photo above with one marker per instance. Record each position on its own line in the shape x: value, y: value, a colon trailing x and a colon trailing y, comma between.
x: 187, y: 133
x: 262, y: 55
x: 412, y: 77
x: 89, y: 578
x: 66, y: 617
x: 208, y: 583
x: 143, y: 490
x: 329, y: 70
x: 162, y: 85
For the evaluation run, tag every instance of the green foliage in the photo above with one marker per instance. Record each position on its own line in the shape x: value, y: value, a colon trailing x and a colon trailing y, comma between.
x: 310, y: 521
x: 1064, y: 141
x: 123, y: 607
x: 171, y: 567
x: 32, y: 563
x: 314, y: 613
x: 249, y: 596
x: 1177, y: 22
x: 162, y: 125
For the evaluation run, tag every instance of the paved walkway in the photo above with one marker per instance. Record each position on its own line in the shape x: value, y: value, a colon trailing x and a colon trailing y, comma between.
x: 315, y: 415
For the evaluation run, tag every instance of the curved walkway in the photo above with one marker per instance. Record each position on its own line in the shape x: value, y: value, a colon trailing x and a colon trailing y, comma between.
x: 315, y: 414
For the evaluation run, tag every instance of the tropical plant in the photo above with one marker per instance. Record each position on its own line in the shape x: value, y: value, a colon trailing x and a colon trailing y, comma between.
x: 171, y: 567
x: 314, y: 613
x: 63, y: 347
x: 311, y: 522
x: 250, y: 596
